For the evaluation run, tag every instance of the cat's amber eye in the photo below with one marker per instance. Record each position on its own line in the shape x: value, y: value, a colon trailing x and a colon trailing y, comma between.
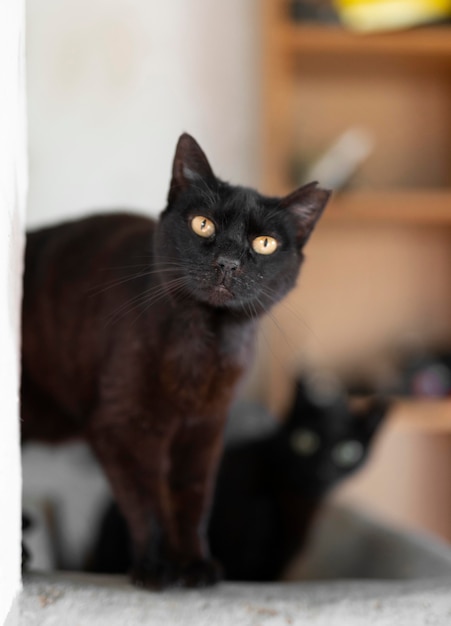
x: 264, y: 245
x: 202, y: 226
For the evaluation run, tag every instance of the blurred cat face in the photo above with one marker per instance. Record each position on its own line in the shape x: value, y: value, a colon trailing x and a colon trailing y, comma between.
x: 322, y: 443
x: 324, y: 459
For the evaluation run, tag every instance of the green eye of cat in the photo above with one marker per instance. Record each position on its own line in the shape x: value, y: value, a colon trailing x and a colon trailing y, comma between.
x: 264, y: 245
x: 304, y: 442
x: 202, y: 226
x: 347, y: 453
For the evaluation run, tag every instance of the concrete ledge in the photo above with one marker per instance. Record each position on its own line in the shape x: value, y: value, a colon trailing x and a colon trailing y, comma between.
x: 82, y: 600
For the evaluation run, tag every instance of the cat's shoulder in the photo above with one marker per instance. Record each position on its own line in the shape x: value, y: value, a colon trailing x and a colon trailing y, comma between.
x: 90, y: 235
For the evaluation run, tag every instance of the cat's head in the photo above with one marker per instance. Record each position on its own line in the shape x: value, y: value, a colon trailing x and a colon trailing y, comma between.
x: 227, y: 246
x: 325, y: 438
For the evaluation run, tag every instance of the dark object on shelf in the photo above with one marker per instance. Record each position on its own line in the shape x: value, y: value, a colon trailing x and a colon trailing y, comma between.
x: 427, y: 376
x: 313, y: 11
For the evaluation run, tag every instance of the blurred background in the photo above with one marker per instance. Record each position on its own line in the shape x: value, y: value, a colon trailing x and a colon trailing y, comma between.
x: 112, y: 85
x: 277, y: 92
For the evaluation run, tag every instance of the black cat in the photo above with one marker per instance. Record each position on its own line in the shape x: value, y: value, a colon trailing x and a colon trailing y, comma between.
x: 269, y: 491
x: 143, y: 361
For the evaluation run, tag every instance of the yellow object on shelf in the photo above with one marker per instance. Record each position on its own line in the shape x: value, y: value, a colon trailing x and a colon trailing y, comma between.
x: 372, y: 15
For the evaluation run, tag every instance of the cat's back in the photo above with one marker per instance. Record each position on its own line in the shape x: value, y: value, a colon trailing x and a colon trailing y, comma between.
x: 77, y: 255
x: 82, y: 240
x: 71, y: 267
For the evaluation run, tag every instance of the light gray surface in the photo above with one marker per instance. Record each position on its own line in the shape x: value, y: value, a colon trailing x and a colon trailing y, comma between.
x: 64, y: 600
x: 349, y: 543
x: 13, y: 617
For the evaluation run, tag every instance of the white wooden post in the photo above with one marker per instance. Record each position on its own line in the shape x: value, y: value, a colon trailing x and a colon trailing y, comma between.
x: 12, y: 208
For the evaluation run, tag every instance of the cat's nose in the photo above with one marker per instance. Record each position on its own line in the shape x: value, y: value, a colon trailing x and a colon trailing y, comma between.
x: 227, y: 264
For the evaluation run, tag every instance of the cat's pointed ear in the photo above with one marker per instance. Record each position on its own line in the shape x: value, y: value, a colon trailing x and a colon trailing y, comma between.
x: 306, y: 204
x: 190, y: 165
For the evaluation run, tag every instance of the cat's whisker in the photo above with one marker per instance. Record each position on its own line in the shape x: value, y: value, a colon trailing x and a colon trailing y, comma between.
x: 282, y: 333
x: 114, y: 283
x: 183, y: 293
x: 280, y: 364
x: 120, y: 281
x: 167, y: 288
x: 276, y: 357
x: 173, y: 290
x: 141, y: 298
x: 125, y: 308
x: 271, y: 293
x: 269, y: 344
x: 250, y: 310
x: 149, y: 262
x: 164, y: 258
x: 299, y: 317
x: 294, y: 354
x: 114, y: 268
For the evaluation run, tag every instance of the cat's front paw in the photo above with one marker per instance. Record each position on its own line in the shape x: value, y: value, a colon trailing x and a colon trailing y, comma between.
x: 157, y: 575
x: 201, y: 573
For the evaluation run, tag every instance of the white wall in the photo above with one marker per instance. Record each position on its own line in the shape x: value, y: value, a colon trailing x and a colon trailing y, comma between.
x: 111, y: 85
x: 12, y: 196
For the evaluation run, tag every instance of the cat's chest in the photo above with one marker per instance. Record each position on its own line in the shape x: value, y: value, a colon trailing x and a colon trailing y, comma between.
x: 203, y: 362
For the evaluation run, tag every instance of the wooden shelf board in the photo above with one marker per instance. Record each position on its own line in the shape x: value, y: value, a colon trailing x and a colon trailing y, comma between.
x: 315, y: 39
x: 432, y: 416
x: 404, y: 206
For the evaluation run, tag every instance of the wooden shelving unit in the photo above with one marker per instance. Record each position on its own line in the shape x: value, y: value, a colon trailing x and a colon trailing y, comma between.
x: 416, y: 206
x: 427, y: 416
x: 296, y: 54
x: 379, y: 264
x: 424, y: 44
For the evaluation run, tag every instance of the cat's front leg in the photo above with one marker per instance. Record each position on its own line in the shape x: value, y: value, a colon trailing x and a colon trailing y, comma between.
x: 136, y: 464
x: 195, y: 455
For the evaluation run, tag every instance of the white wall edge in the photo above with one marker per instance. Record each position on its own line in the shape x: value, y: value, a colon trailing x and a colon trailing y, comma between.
x: 13, y: 190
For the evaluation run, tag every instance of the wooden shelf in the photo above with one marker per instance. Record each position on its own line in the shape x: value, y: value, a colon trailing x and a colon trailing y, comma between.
x: 378, y: 275
x: 432, y: 416
x: 422, y: 206
x: 434, y: 43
